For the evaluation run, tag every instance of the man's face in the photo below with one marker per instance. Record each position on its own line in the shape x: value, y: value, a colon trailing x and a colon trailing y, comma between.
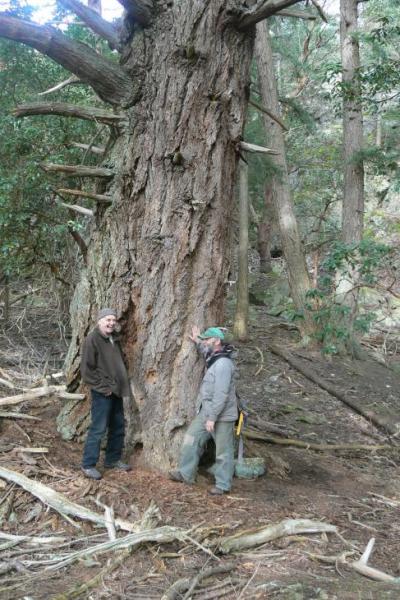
x: 211, y: 343
x: 107, y: 325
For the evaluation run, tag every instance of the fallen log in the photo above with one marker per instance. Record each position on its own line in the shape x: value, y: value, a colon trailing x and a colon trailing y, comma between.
x: 382, y: 424
x: 56, y: 390
x: 59, y: 502
x: 256, y: 537
x: 270, y: 439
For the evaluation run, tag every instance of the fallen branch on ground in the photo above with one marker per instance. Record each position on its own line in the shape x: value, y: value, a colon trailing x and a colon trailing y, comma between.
x: 59, y: 502
x: 16, y: 415
x: 188, y: 585
x: 389, y: 428
x: 251, y: 434
x: 80, y: 590
x: 256, y: 537
x: 362, y: 567
x: 56, y: 390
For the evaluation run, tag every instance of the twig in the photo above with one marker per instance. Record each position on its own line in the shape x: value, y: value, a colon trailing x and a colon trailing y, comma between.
x: 225, y: 568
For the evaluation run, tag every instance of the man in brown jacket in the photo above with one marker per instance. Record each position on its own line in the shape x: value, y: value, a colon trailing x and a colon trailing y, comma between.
x: 104, y: 371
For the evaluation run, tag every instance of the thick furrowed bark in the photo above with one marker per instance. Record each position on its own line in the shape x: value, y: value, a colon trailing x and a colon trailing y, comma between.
x: 159, y: 254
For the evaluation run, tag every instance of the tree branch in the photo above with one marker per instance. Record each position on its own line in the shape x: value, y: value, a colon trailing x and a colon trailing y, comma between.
x: 73, y: 80
x: 269, y: 113
x: 83, y: 194
x: 93, y: 20
x: 320, y: 10
x: 63, y: 109
x: 80, y: 242
x: 78, y: 170
x: 78, y: 209
x: 257, y: 149
x: 94, y: 149
x: 139, y: 10
x: 251, y: 18
x: 107, y: 79
x: 296, y: 14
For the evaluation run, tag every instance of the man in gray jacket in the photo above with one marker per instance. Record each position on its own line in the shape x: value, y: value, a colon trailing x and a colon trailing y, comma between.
x: 216, y: 413
x: 104, y: 371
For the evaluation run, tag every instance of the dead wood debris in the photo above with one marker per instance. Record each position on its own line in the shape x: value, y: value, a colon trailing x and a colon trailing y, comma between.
x: 360, y: 566
x: 48, y: 390
x: 256, y: 537
x: 252, y: 434
x: 380, y: 423
x: 187, y: 586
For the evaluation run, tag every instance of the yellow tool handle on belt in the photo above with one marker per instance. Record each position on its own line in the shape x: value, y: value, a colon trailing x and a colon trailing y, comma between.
x: 240, y: 424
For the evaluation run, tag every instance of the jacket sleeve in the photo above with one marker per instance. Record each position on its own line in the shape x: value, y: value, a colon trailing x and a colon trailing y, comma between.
x: 222, y: 384
x: 89, y: 369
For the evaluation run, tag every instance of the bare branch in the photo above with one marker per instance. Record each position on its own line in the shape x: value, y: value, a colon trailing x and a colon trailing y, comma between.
x: 320, y: 10
x: 269, y: 113
x: 78, y: 170
x: 93, y: 149
x: 80, y: 242
x: 139, y: 10
x: 78, y: 209
x: 83, y: 194
x: 93, y: 20
x: 63, y: 109
x: 257, y: 149
x: 107, y: 79
x: 73, y: 80
x: 296, y: 14
x: 251, y: 18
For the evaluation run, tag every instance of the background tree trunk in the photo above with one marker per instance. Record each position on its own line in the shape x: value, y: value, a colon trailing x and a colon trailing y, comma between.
x: 264, y: 231
x: 242, y: 285
x: 353, y: 193
x: 299, y: 280
x: 159, y: 254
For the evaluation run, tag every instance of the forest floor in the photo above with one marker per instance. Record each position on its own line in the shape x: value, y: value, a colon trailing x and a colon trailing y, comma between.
x: 356, y: 490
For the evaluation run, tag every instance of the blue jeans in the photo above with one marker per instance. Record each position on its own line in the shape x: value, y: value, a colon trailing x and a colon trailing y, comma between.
x: 193, y: 446
x: 107, y: 413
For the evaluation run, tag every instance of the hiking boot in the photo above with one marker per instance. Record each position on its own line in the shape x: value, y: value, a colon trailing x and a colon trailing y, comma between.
x: 119, y: 465
x: 176, y: 476
x: 91, y: 472
x: 216, y: 491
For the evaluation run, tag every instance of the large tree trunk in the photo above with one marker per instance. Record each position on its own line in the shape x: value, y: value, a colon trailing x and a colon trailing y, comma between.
x: 159, y: 253
x: 293, y: 251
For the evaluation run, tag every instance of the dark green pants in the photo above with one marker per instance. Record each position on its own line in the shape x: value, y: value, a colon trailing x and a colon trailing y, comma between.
x: 193, y: 446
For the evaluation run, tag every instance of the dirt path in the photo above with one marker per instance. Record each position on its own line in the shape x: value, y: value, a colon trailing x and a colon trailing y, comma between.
x: 358, y: 491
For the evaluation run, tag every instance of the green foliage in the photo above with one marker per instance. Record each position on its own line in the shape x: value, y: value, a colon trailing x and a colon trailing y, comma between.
x: 34, y: 229
x: 334, y: 319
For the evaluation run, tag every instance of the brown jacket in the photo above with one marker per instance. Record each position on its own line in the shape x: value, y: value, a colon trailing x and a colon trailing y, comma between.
x: 102, y: 365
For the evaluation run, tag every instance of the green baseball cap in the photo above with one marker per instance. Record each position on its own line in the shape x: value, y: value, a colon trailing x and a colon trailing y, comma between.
x: 212, y: 332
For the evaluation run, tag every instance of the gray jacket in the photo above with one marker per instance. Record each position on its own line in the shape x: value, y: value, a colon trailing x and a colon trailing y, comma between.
x: 217, y: 397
